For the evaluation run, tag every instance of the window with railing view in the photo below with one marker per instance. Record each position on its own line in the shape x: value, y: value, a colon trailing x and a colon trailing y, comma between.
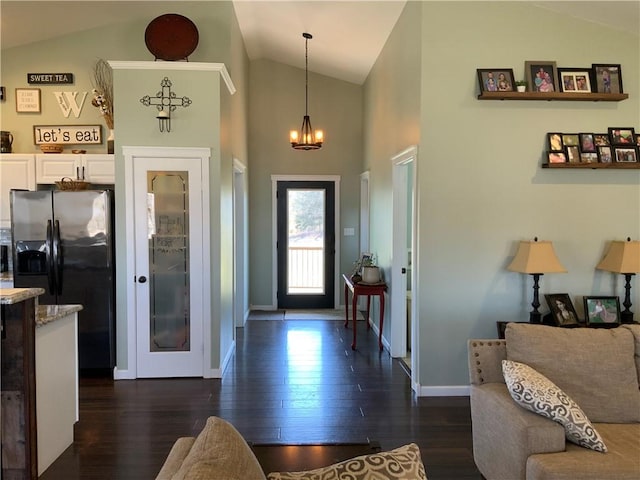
x: 305, y: 246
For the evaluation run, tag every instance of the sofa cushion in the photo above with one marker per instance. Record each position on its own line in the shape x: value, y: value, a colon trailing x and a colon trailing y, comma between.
x: 403, y: 463
x: 635, y: 330
x: 536, y: 393
x: 622, y: 462
x: 219, y: 451
x: 595, y: 367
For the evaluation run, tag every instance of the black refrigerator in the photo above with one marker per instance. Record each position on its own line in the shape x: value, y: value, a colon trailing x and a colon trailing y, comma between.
x: 63, y: 242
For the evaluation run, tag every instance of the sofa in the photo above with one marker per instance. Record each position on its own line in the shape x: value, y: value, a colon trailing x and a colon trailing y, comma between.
x: 220, y: 452
x: 550, y: 403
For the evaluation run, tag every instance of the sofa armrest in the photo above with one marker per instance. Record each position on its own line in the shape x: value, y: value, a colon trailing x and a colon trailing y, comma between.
x: 505, y: 434
x: 178, y: 452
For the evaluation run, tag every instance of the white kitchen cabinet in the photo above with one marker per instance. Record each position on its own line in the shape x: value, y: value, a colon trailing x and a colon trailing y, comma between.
x: 94, y: 168
x: 17, y: 170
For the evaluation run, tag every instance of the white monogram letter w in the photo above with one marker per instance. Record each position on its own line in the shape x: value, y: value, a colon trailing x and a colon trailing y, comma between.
x: 67, y: 102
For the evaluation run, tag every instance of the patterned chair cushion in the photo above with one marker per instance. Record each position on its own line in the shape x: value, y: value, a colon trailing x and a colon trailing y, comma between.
x: 403, y: 463
x: 535, y: 392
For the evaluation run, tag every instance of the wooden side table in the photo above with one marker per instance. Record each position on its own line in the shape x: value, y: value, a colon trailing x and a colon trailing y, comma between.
x: 358, y: 289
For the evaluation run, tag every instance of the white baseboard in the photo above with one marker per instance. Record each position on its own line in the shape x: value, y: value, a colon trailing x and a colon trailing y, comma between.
x: 263, y: 307
x: 444, y: 391
x: 123, y: 374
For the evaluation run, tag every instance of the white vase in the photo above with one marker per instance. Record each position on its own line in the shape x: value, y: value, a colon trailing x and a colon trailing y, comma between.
x: 521, y: 88
x: 370, y: 274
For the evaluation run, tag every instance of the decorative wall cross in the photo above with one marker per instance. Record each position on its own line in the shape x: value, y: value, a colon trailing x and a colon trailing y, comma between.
x: 166, y: 102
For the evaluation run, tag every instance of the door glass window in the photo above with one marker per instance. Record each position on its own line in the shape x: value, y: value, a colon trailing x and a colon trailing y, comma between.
x: 305, y: 241
x: 168, y: 230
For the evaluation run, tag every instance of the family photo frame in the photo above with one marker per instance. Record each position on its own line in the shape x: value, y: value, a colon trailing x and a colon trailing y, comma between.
x: 607, y: 77
x: 618, y: 145
x: 562, y: 312
x: 496, y: 79
x: 575, y: 80
x: 542, y: 76
x: 602, y: 311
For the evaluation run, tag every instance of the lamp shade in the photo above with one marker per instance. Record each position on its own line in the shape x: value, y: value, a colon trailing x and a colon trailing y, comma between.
x: 622, y: 257
x: 536, y: 257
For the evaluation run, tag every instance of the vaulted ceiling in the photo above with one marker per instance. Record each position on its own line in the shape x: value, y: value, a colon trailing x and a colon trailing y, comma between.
x: 347, y: 35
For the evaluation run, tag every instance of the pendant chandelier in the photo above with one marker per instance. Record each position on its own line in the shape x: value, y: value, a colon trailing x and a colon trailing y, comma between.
x: 306, y: 138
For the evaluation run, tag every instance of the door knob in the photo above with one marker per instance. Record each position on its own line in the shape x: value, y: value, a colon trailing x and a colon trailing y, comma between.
x: 404, y: 270
x: 142, y: 279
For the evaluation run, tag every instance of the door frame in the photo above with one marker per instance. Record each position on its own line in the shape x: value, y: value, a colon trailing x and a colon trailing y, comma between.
x: 130, y: 154
x: 274, y: 230
x: 399, y: 254
x: 240, y: 245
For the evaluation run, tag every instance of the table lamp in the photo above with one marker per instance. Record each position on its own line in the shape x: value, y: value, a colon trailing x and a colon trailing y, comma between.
x: 623, y: 257
x: 536, y: 258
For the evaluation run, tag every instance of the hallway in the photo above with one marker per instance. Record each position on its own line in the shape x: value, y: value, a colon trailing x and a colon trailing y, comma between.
x: 290, y: 381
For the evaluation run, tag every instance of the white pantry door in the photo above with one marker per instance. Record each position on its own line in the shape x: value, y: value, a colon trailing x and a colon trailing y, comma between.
x: 169, y: 266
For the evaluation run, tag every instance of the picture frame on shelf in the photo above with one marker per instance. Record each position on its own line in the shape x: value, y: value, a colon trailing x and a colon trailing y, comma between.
x: 627, y: 154
x: 589, y: 157
x: 562, y: 312
x: 622, y: 135
x: 575, y: 80
x: 573, y: 153
x: 542, y: 75
x: 556, y: 157
x: 607, y: 77
x: 601, y: 139
x: 28, y: 100
x: 570, y: 139
x: 602, y: 311
x: 496, y: 79
x: 587, y: 143
x: 605, y: 154
x: 554, y: 141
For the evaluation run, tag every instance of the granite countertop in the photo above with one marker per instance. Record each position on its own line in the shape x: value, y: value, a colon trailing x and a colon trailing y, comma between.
x: 9, y: 296
x: 49, y: 313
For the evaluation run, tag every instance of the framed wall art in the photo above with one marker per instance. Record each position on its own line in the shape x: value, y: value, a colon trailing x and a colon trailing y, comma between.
x: 621, y: 135
x: 562, y: 311
x: 602, y: 311
x: 555, y: 142
x: 587, y: 143
x: 575, y: 80
x: 608, y: 78
x: 601, y: 139
x: 28, y: 100
x: 541, y: 75
x: 625, y: 154
x: 573, y: 153
x: 496, y: 79
x: 556, y: 157
x: 570, y: 139
x: 604, y: 154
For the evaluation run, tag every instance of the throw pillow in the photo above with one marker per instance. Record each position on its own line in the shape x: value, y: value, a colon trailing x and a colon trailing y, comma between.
x: 537, y: 393
x: 403, y: 463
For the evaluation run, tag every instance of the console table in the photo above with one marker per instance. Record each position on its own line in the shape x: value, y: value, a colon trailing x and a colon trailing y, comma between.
x: 358, y: 289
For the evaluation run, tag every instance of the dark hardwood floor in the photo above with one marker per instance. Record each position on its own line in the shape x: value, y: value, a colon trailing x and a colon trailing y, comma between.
x: 290, y: 381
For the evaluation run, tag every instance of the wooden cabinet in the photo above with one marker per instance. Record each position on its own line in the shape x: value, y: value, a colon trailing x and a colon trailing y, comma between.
x: 94, y: 168
x: 17, y: 170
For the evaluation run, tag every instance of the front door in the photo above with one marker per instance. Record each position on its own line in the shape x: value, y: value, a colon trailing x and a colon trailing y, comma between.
x: 169, y: 267
x: 306, y: 244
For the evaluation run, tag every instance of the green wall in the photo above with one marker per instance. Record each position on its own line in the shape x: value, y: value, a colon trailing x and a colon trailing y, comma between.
x: 480, y: 185
x: 276, y: 105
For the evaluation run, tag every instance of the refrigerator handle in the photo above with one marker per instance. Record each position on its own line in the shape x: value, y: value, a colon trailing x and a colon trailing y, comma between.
x: 57, y: 257
x: 50, y: 264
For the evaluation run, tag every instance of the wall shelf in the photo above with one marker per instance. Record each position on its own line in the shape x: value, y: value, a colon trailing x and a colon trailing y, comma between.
x: 549, y: 96
x: 595, y: 166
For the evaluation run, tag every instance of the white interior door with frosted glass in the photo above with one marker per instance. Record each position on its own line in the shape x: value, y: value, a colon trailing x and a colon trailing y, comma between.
x: 169, y: 267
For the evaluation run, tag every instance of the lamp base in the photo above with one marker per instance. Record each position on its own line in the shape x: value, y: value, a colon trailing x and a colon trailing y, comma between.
x: 626, y: 317
x: 535, y: 317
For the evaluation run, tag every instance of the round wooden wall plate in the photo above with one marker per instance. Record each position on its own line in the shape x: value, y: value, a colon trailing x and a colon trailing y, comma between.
x: 171, y: 37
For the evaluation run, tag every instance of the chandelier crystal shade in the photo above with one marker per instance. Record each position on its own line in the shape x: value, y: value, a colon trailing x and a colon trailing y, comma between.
x: 306, y: 138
